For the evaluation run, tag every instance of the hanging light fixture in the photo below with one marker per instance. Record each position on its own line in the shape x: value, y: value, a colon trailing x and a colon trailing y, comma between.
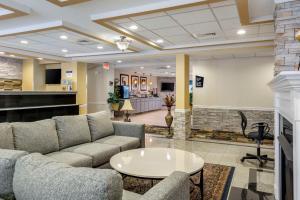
x: 123, y: 43
x: 150, y: 80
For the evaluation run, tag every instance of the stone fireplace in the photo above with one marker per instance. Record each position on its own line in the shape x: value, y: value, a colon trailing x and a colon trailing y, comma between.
x: 286, y: 86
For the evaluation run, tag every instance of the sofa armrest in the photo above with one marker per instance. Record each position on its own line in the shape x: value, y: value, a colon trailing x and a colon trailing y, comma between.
x: 8, y: 160
x: 130, y: 130
x: 174, y: 187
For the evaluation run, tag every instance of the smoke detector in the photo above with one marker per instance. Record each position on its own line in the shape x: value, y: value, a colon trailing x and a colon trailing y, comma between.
x: 84, y: 42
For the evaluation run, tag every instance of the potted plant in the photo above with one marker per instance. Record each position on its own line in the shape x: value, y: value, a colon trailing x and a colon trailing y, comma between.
x: 114, y: 101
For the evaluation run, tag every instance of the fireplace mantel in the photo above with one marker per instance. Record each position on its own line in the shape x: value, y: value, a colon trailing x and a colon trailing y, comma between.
x: 286, y: 86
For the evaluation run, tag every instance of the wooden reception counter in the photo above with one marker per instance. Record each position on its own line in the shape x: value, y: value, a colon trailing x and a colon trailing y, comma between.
x: 29, y: 106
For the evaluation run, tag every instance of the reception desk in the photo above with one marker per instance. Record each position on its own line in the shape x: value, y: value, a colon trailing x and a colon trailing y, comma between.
x: 29, y: 106
x: 146, y: 104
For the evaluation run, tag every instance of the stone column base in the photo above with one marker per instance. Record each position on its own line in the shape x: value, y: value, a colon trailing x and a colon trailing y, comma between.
x: 182, y: 124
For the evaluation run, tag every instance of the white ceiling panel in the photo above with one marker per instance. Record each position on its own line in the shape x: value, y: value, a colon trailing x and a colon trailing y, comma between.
x: 184, y: 10
x: 131, y: 23
x: 149, y: 16
x: 181, y: 38
x: 194, y: 17
x: 158, y: 22
x: 250, y: 30
x: 230, y: 24
x: 222, y: 3
x: 177, y: 30
x: 266, y: 28
x: 226, y: 12
x: 148, y: 34
x: 203, y: 28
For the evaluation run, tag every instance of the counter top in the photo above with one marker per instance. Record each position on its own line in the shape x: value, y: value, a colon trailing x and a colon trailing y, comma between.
x: 37, y: 107
x: 36, y: 92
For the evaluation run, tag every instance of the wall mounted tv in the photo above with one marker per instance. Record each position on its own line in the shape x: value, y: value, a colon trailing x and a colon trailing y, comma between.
x: 167, y: 87
x: 53, y: 76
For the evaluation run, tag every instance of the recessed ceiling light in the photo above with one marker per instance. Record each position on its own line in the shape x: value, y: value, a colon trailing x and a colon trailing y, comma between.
x: 133, y: 27
x: 2, y: 53
x: 168, y: 66
x: 241, y: 32
x: 166, y: 72
x: 24, y: 42
x: 63, y: 37
x: 142, y: 67
x: 173, y: 74
x: 99, y: 47
x: 119, y: 61
x: 64, y: 50
x: 40, y: 58
x: 160, y: 41
x: 12, y: 55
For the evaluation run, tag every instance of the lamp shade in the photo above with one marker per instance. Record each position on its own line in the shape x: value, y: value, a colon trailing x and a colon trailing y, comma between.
x: 127, y: 106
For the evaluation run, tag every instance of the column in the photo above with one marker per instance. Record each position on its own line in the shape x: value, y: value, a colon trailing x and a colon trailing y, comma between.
x: 182, y: 118
x: 31, y: 75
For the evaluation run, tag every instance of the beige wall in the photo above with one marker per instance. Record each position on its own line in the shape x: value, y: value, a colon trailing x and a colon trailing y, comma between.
x: 98, y: 87
x: 240, y: 82
x: 30, y: 76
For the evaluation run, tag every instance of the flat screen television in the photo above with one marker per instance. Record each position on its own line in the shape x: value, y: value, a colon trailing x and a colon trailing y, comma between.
x: 167, y: 87
x: 53, y: 76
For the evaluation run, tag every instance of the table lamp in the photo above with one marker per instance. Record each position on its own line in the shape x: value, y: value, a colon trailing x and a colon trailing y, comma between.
x: 127, y: 107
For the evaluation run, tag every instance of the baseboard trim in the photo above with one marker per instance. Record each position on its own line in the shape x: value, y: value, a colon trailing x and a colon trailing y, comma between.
x: 234, y: 108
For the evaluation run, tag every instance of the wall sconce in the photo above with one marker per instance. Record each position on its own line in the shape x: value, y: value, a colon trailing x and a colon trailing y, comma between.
x: 297, y: 34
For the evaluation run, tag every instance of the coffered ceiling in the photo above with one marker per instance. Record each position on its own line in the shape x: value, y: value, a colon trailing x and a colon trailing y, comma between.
x: 92, y: 26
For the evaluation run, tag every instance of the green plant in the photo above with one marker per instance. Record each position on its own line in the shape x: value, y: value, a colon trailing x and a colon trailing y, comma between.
x: 112, y: 98
x: 191, y: 99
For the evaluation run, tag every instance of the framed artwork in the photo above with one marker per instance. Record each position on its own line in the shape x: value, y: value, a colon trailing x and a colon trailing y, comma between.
x: 143, y: 83
x: 199, y: 81
x: 134, y: 82
x: 124, y: 79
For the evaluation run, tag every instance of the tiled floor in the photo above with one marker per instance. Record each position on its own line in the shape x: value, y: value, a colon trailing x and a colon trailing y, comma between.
x: 151, y: 118
x: 228, y: 154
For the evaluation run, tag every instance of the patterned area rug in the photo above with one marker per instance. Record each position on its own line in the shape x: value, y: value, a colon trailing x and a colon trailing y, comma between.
x: 217, y: 181
x: 213, y: 135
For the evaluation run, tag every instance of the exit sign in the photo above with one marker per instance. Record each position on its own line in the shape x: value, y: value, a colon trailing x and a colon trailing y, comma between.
x: 105, y: 66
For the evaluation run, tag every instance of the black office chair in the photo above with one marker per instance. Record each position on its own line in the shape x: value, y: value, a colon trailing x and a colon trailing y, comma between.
x: 263, y: 132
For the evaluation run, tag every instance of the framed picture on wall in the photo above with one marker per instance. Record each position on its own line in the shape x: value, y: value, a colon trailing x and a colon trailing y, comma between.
x: 134, y: 82
x: 124, y: 79
x: 199, y: 81
x: 143, y: 83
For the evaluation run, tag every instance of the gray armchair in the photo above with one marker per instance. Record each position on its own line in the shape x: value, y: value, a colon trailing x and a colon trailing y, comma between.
x: 130, y: 130
x: 38, y: 177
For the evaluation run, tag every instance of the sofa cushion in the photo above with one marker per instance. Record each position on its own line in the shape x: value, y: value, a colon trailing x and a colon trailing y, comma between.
x: 38, y: 177
x: 125, y: 143
x: 72, y: 130
x: 100, y: 125
x: 101, y: 153
x: 127, y: 195
x: 73, y: 159
x: 6, y: 141
x: 8, y: 159
x: 39, y: 136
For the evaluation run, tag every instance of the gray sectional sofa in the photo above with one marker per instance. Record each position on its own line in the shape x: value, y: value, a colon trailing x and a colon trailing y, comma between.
x: 80, y: 141
x: 53, y: 159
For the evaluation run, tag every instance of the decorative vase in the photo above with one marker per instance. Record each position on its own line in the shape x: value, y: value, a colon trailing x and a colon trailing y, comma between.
x: 169, y: 121
x: 115, y: 106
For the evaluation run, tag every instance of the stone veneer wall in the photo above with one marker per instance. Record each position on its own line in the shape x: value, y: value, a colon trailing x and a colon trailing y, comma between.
x: 287, y: 49
x: 182, y: 124
x: 10, y: 68
x: 210, y: 119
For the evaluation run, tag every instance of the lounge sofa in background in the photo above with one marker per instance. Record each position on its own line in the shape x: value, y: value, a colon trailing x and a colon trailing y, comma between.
x: 79, y: 141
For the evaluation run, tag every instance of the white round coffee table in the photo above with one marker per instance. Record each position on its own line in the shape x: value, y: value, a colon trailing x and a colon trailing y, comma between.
x: 158, y: 163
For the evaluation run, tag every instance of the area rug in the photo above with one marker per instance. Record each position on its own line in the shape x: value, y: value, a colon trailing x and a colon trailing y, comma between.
x: 217, y: 181
x: 198, y: 135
